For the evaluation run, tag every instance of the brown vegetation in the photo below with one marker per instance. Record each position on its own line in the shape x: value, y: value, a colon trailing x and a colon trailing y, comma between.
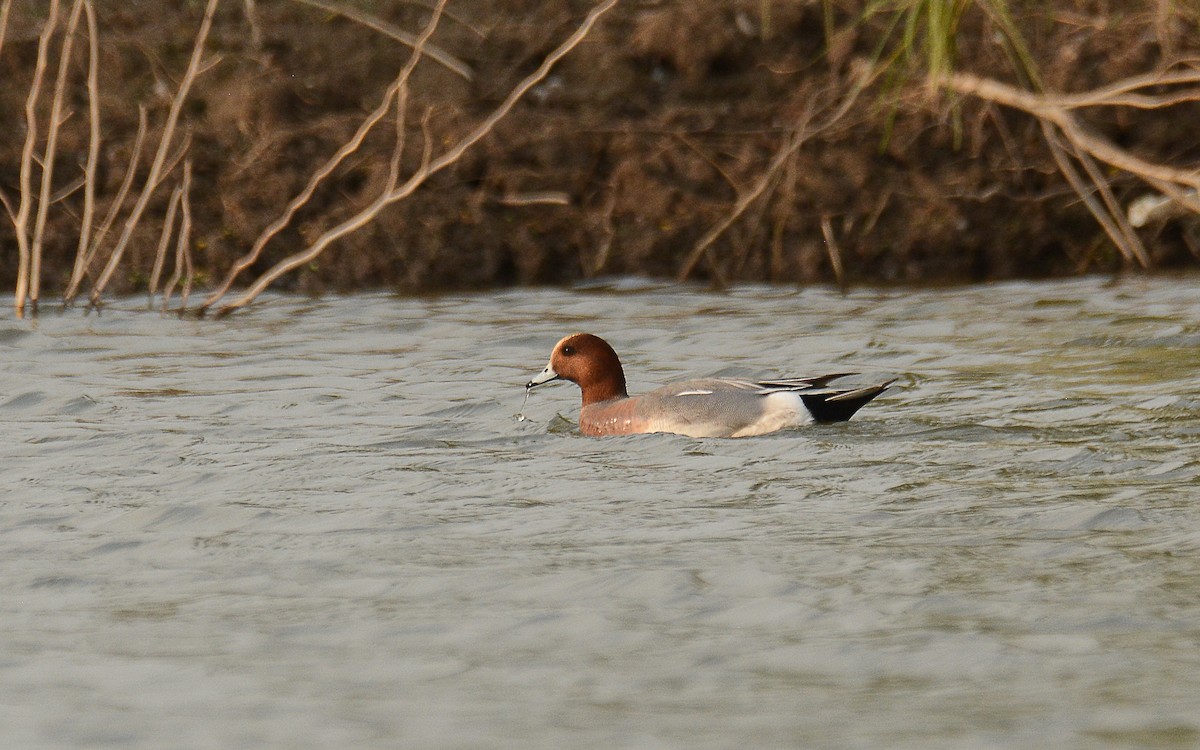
x: 320, y: 144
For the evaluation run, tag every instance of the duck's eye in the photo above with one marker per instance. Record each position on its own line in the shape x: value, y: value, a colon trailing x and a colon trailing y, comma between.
x: 568, y: 350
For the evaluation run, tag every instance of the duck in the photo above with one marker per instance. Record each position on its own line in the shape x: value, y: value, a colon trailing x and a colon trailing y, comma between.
x: 701, y: 408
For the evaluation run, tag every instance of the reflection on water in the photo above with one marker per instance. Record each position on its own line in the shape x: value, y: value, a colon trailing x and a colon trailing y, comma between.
x: 320, y: 524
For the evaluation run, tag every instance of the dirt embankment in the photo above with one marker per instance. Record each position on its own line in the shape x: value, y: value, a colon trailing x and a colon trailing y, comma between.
x: 639, y: 143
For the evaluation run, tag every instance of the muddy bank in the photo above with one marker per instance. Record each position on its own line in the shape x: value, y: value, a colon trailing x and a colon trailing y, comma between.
x: 639, y: 143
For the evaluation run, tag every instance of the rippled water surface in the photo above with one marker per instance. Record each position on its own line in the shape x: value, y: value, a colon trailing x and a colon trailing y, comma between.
x: 320, y: 525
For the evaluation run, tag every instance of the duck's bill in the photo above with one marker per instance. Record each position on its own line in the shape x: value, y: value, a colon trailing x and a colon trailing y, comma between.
x: 545, y: 376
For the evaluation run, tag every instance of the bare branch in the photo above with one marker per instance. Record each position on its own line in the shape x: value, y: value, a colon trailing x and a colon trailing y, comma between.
x: 183, y: 244
x: 51, y: 153
x: 1131, y: 247
x: 835, y: 252
x: 160, y: 156
x: 8, y: 206
x: 398, y: 86
x: 5, y: 7
x: 608, y: 231
x: 66, y: 191
x: 427, y: 168
x: 450, y: 62
x: 703, y: 246
x: 83, y: 265
x: 1123, y: 92
x: 256, y: 37
x: 82, y: 254
x: 93, y: 157
x: 164, y: 239
x: 21, y: 223
x: 173, y: 160
x: 1050, y: 108
x: 799, y: 134
x: 1100, y: 212
x: 533, y: 79
x: 541, y: 198
x: 1054, y: 113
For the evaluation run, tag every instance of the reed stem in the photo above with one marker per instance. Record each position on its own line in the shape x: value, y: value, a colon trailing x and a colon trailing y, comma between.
x: 160, y: 156
x: 48, y: 159
x: 21, y: 221
x: 428, y: 166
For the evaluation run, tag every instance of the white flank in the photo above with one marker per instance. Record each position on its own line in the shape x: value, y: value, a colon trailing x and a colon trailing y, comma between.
x: 780, y: 409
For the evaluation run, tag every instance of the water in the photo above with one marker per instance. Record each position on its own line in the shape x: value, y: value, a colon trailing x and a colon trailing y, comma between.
x: 320, y: 524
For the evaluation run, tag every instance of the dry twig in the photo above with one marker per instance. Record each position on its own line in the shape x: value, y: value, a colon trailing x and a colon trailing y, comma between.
x: 450, y: 62
x: 21, y: 220
x: 397, y: 89
x: 835, y: 252
x: 5, y: 7
x: 183, y: 245
x: 160, y: 157
x: 87, y: 253
x: 428, y: 167
x: 164, y: 240
x: 799, y: 135
x: 251, y: 12
x: 1057, y: 119
x: 1050, y: 108
x: 540, y: 198
x: 93, y: 157
x: 50, y: 154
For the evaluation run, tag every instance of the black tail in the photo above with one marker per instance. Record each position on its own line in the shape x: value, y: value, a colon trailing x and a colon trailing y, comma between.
x: 839, y: 405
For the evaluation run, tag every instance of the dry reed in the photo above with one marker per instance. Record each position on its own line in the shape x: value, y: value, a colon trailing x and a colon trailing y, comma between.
x: 835, y: 252
x: 800, y: 132
x: 160, y: 157
x: 164, y: 241
x: 5, y: 7
x: 330, y: 166
x: 93, y: 245
x: 21, y: 219
x: 93, y: 157
x: 88, y: 252
x: 450, y: 62
x: 428, y: 167
x: 1071, y: 144
x: 49, y: 156
x: 183, y: 245
x: 1086, y: 160
x: 31, y: 240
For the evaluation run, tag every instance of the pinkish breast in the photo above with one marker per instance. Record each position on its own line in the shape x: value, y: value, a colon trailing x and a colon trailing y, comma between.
x: 616, y: 417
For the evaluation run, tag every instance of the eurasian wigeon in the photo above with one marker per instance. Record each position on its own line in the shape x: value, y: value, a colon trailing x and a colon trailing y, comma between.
x: 712, y: 407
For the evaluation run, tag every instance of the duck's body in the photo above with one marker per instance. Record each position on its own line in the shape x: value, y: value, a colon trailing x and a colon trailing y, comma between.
x: 711, y: 407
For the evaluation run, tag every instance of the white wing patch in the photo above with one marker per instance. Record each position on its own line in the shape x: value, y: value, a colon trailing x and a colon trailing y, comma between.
x: 698, y: 392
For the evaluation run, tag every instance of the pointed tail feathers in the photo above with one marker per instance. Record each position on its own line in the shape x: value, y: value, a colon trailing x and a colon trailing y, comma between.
x: 838, y: 405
